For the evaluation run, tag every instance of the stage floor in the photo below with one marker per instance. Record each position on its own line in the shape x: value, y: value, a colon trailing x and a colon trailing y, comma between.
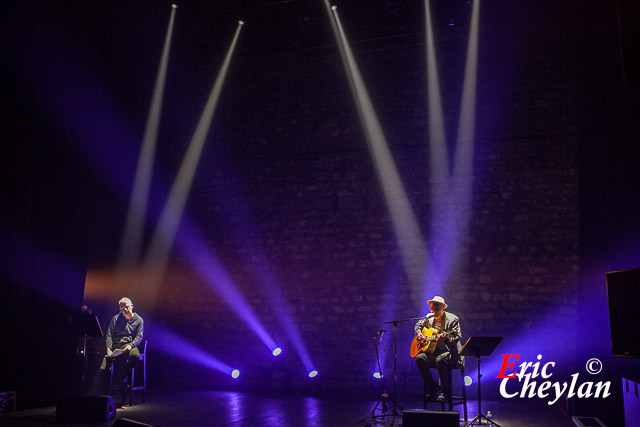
x: 234, y: 408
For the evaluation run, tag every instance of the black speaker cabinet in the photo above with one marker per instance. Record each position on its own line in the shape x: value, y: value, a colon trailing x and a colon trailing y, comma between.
x: 623, y: 293
x: 420, y: 418
x: 85, y: 409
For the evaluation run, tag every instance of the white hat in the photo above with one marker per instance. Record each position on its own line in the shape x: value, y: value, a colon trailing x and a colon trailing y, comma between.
x: 437, y: 299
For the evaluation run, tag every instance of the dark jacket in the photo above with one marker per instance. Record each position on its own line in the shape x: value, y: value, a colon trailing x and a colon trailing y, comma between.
x: 451, y: 322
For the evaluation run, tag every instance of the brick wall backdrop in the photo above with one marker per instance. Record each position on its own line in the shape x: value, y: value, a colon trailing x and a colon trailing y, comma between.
x: 287, y: 189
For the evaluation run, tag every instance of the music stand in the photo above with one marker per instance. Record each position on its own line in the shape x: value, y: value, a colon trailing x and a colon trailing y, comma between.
x: 476, y: 347
x: 85, y: 325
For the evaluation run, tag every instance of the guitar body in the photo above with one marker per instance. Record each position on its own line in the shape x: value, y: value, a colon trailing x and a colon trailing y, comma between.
x: 426, y: 345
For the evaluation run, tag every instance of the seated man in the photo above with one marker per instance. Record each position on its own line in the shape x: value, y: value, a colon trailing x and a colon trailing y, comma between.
x: 122, y: 338
x: 447, y: 348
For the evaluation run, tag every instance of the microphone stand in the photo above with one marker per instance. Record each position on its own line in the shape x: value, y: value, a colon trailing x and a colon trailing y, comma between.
x: 384, y: 395
x: 395, y: 359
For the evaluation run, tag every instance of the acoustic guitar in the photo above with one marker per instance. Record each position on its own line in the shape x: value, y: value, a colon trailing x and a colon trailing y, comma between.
x: 429, y: 343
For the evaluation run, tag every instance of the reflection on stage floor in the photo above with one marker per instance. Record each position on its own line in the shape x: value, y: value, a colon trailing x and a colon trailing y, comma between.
x: 236, y: 409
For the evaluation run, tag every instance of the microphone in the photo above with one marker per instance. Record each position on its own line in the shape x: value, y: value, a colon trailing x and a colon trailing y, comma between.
x: 379, y: 333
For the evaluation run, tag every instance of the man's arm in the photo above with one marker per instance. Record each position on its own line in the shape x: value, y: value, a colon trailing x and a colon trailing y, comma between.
x: 418, y: 327
x: 137, y: 339
x: 108, y: 338
x: 455, y: 327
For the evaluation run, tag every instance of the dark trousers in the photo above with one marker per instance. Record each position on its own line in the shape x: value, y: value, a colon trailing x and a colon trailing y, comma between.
x: 122, y: 366
x: 440, y: 361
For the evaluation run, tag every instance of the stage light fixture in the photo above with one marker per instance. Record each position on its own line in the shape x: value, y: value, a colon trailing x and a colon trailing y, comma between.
x: 313, y: 374
x: 241, y: 22
x: 175, y: 6
x: 377, y: 375
x: 467, y: 381
x: 334, y: 7
x: 235, y: 373
x: 277, y: 351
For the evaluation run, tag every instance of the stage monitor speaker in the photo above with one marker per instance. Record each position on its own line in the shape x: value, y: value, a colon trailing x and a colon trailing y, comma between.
x: 420, y: 418
x: 623, y: 292
x: 85, y: 409
x: 125, y: 422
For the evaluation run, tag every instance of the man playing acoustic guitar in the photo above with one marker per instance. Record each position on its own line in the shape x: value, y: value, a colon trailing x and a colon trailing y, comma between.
x: 437, y: 345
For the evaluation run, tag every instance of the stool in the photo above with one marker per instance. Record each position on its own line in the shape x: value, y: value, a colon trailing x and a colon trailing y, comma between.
x: 135, y: 382
x: 455, y: 399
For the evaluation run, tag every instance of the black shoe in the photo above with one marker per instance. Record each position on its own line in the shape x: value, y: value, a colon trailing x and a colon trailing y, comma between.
x: 441, y: 398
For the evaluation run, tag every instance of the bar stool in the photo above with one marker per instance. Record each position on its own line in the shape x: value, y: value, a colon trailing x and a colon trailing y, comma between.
x: 454, y: 399
x: 135, y: 382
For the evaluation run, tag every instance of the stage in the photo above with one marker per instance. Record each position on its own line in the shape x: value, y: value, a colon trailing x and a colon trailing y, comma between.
x: 280, y: 187
x: 232, y: 408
